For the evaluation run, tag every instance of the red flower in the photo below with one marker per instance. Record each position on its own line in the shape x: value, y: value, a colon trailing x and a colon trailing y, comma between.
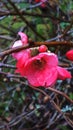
x: 23, y: 41
x: 42, y: 70
x: 69, y: 55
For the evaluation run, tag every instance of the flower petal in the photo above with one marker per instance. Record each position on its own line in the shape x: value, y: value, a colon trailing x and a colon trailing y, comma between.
x: 23, y: 58
x: 23, y: 41
x: 24, y: 38
x: 63, y: 73
x: 20, y: 67
x: 17, y: 43
x: 46, y: 77
x: 50, y: 58
x: 51, y: 78
x: 18, y: 55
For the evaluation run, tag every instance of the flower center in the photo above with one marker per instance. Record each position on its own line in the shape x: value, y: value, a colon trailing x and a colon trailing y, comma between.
x: 39, y: 64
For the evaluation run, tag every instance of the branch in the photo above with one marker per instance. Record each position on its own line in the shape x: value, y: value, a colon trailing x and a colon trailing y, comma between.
x: 16, y: 49
x: 60, y: 93
x: 7, y: 66
x: 54, y: 105
x: 54, y: 43
x: 49, y: 44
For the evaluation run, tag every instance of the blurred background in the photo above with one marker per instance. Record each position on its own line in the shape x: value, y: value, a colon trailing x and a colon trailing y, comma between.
x: 22, y: 107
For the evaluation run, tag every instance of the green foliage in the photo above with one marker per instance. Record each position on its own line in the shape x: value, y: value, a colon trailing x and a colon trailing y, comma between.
x: 61, y: 127
x: 64, y: 25
x: 71, y: 95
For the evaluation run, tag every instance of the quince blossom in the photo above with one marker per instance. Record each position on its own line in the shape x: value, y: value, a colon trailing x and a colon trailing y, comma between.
x: 42, y: 70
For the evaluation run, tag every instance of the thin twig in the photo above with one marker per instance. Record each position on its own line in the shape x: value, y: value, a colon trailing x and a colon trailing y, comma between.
x: 24, y: 19
x: 60, y: 93
x: 9, y: 51
x: 55, y: 106
x: 16, y: 49
x: 7, y: 66
x: 55, y: 43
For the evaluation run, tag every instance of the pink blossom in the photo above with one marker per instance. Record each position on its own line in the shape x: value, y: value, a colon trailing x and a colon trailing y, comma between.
x: 24, y: 38
x: 69, y: 55
x: 42, y: 70
x: 23, y: 41
x: 39, y: 70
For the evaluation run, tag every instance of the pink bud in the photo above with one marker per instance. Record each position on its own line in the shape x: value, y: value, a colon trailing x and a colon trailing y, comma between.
x: 69, y: 55
x: 43, y: 48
